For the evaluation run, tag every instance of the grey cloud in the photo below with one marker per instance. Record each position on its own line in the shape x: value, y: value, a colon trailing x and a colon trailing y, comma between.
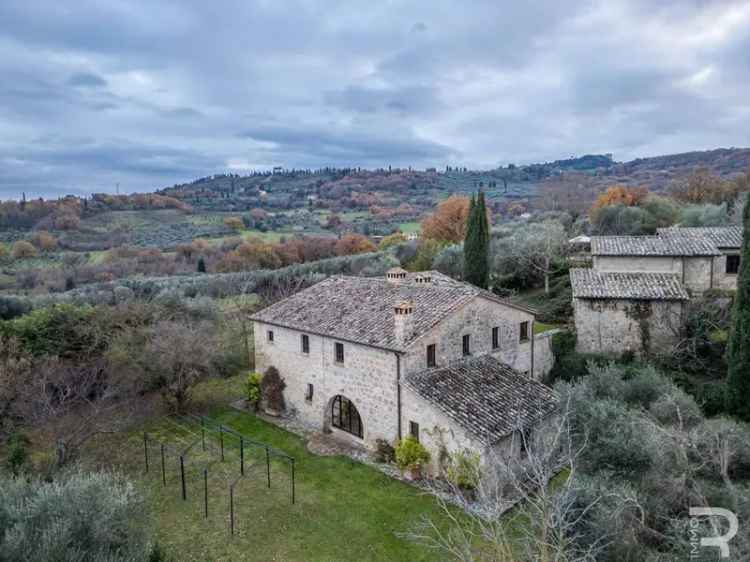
x: 87, y: 79
x: 152, y: 92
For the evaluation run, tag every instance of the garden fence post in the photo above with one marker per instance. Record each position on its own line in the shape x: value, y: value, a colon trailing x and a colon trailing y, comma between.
x: 292, y: 481
x: 242, y: 455
x: 231, y: 508
x: 163, y: 467
x: 203, y: 434
x: 268, y: 466
x: 221, y: 441
x: 145, y: 448
x: 182, y: 476
x: 205, y: 491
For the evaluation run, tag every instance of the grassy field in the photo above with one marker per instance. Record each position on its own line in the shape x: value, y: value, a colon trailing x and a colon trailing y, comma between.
x: 343, y: 510
x: 409, y: 227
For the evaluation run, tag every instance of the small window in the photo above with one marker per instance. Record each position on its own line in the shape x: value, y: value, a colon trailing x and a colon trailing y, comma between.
x: 431, y: 355
x: 414, y: 430
x: 270, y: 335
x: 309, y: 393
x: 305, y: 343
x: 495, y: 337
x: 467, y: 345
x: 524, y: 336
x: 339, y: 347
x: 733, y: 265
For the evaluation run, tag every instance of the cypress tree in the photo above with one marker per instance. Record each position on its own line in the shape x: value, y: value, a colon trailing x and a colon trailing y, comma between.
x: 477, y: 244
x: 738, y: 352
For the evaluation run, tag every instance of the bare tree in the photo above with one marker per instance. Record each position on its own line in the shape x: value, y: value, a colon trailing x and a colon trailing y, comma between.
x: 180, y: 355
x: 528, y: 508
x: 538, y: 246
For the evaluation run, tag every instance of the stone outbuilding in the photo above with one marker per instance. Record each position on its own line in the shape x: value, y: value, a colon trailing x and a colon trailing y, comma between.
x: 690, y: 258
x: 617, y: 312
x: 410, y: 354
x: 728, y: 242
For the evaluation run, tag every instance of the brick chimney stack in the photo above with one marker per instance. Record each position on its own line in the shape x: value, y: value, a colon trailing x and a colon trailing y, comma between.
x: 395, y: 275
x: 403, y: 318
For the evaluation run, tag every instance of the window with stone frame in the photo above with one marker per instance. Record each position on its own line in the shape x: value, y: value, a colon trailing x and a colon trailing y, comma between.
x: 269, y: 336
x: 305, y: 343
x: 524, y: 331
x: 733, y: 265
x: 309, y: 393
x: 496, y: 337
x: 466, y: 344
x: 414, y: 430
x: 339, y: 352
x: 431, y: 361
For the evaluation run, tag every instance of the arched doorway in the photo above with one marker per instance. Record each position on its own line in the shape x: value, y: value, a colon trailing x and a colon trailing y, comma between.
x: 344, y: 416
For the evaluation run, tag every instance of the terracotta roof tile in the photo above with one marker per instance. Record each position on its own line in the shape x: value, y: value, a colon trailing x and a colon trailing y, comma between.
x: 360, y: 309
x: 719, y: 236
x: 484, y: 396
x: 593, y: 284
x: 652, y: 246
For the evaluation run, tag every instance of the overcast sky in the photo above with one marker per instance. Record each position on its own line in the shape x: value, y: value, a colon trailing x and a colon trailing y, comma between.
x: 150, y: 93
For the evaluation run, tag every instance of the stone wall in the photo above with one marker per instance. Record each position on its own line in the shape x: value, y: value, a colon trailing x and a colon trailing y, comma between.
x: 697, y: 274
x: 437, y: 432
x: 367, y: 378
x: 722, y: 279
x: 544, y: 358
x: 476, y: 318
x: 617, y: 326
x: 645, y: 264
x: 694, y: 272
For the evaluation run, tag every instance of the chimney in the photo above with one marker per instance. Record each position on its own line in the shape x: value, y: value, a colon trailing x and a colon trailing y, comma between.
x: 395, y: 275
x: 423, y: 278
x: 403, y: 319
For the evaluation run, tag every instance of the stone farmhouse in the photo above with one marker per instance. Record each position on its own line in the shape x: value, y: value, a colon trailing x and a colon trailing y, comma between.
x: 634, y: 298
x: 410, y: 354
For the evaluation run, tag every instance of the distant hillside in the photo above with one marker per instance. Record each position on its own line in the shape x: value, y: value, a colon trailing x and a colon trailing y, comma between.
x: 408, y: 193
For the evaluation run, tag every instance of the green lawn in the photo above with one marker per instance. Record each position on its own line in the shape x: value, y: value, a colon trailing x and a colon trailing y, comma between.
x: 344, y: 510
x: 541, y: 327
x: 409, y: 227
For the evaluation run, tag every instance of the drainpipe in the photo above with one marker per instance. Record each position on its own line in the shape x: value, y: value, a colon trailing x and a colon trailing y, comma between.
x: 711, y: 281
x: 398, y: 392
x: 533, y: 341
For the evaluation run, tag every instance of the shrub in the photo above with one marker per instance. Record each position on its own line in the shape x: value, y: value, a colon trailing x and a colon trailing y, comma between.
x: 384, y: 451
x: 3, y: 250
x: 44, y: 241
x: 22, y: 249
x: 252, y: 388
x: 569, y: 364
x: 675, y: 407
x: 462, y: 470
x: 410, y: 453
x: 17, y: 453
x: 272, y: 389
x: 80, y: 516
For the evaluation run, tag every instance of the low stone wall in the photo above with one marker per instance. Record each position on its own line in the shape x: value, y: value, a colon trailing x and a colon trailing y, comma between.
x: 544, y: 358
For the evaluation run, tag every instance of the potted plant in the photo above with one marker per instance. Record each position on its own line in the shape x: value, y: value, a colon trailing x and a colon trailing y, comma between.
x: 272, y: 391
x: 411, y: 456
x: 463, y: 471
x: 252, y: 390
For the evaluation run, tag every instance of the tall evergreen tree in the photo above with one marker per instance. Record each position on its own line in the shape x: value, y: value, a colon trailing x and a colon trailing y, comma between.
x: 738, y: 353
x: 477, y: 244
